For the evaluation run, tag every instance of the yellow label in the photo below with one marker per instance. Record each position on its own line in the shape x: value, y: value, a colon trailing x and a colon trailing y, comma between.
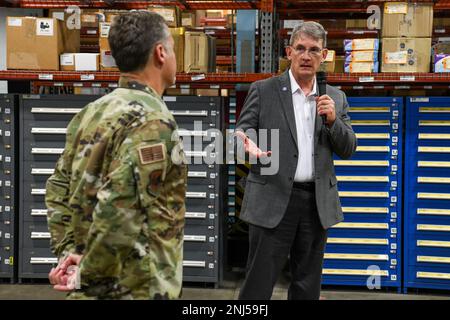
x: 433, y: 164
x: 433, y: 259
x: 361, y: 163
x: 348, y: 256
x: 372, y: 148
x: 398, y: 57
x: 363, y: 56
x: 370, y: 109
x: 438, y: 212
x: 433, y: 123
x: 446, y: 63
x: 365, y: 210
x: 356, y: 272
x: 371, y: 122
x: 11, y: 261
x: 429, y: 195
x: 363, y: 44
x: 363, y: 194
x: 431, y: 243
x: 396, y: 8
x: 433, y: 275
x: 433, y: 227
x: 434, y: 136
x: 362, y: 179
x: 360, y: 225
x: 432, y: 180
x: 361, y: 67
x: 373, y: 135
x: 364, y: 241
x: 434, y: 110
x: 330, y: 56
x: 434, y: 149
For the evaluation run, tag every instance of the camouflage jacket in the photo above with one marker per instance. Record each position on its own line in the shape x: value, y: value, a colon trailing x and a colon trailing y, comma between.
x: 118, y: 197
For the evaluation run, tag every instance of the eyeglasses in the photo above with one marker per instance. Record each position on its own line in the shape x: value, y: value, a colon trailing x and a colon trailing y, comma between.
x: 313, y: 52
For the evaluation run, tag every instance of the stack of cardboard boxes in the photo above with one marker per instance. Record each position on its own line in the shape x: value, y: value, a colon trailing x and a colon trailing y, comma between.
x: 54, y: 44
x: 361, y: 55
x: 37, y: 43
x: 406, y: 43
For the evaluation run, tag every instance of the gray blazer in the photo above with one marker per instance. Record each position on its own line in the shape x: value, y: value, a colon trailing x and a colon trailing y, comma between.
x: 269, y: 106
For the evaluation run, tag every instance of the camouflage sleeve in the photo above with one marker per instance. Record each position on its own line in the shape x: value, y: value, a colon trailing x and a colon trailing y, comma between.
x: 59, y: 214
x: 119, y: 217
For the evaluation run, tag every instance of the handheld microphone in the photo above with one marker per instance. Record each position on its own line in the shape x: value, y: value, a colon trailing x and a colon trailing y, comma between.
x: 321, y: 77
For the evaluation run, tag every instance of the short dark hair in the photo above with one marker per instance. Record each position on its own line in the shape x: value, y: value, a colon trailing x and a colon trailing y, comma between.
x: 133, y: 36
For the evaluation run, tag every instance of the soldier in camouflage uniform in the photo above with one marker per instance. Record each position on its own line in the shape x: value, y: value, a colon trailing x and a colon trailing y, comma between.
x: 117, y: 197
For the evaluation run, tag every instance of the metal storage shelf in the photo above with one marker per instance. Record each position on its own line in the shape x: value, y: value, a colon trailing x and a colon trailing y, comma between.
x: 185, y: 5
x: 48, y: 75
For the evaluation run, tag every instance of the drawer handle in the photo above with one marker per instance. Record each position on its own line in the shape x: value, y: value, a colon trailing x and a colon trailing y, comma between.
x: 195, y: 215
x: 47, y: 150
x: 43, y: 260
x: 196, y: 195
x: 194, y: 264
x: 48, y: 130
x: 197, y: 174
x: 38, y: 212
x: 195, y: 238
x: 36, y: 171
x: 201, y: 113
x: 40, y: 235
x: 56, y: 110
x: 38, y: 192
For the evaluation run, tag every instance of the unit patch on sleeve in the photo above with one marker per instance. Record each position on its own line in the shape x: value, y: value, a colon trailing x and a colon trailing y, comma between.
x: 152, y: 154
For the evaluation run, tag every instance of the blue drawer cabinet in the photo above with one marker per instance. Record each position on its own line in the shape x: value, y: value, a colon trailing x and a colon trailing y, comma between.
x: 427, y: 193
x: 368, y: 243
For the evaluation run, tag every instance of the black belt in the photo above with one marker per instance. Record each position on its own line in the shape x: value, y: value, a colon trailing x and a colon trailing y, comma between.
x: 308, y: 186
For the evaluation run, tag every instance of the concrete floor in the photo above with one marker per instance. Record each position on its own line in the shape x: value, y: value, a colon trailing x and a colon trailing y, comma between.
x: 228, y: 291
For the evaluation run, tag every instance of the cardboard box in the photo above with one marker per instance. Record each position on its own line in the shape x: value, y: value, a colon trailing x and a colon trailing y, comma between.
x: 212, y: 54
x: 90, y: 19
x: 199, y: 14
x: 361, y: 56
x: 231, y: 21
x: 170, y: 14
x: 178, y: 37
x: 36, y: 43
x: 404, y: 19
x: 80, y: 61
x: 358, y: 67
x: 356, y: 24
x: 107, y: 62
x: 339, y: 62
x: 283, y: 64
x: 196, y: 52
x: 208, y: 92
x: 441, y: 62
x: 214, y: 14
x: 406, y: 55
x: 329, y: 64
x: 110, y: 15
x: 188, y: 19
x: 361, y: 44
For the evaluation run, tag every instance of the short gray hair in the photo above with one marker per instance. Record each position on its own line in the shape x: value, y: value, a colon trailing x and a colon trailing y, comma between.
x: 310, y: 28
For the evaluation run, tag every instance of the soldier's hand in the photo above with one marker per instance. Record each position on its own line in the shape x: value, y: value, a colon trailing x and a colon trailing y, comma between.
x: 56, y: 276
x: 71, y: 280
x: 72, y: 259
x: 64, y: 276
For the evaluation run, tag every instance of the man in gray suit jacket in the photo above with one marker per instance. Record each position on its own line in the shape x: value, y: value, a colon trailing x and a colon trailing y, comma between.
x: 289, y: 212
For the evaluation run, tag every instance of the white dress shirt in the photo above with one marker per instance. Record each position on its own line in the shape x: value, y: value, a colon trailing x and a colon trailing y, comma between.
x: 305, y: 117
